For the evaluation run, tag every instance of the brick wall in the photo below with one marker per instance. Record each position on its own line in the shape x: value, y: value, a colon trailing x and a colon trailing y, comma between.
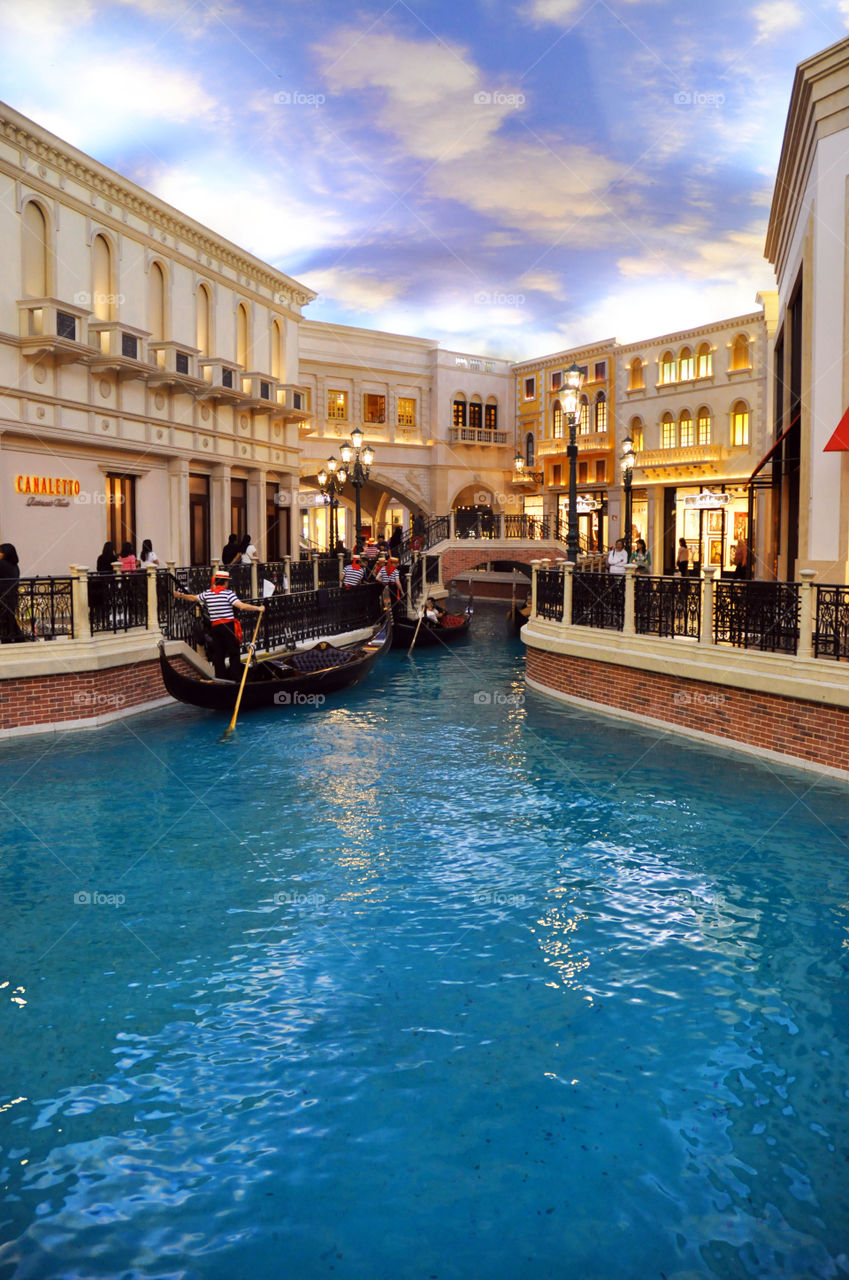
x: 479, y: 554
x: 805, y: 730
x: 50, y: 700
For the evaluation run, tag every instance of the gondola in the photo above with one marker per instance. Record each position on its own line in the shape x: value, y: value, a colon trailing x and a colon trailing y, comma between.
x: 451, y: 628
x: 297, y: 679
x: 518, y: 615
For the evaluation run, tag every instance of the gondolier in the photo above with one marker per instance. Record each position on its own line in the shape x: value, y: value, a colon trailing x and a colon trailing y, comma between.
x: 353, y: 574
x: 220, y: 602
x: 388, y: 576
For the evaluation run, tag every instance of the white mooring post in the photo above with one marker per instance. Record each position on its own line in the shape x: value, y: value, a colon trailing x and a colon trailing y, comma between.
x: 628, y: 627
x: 806, y: 614
x: 79, y: 602
x: 568, y: 571
x: 706, y: 631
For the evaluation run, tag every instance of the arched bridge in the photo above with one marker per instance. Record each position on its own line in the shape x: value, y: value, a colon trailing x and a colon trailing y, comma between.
x: 461, y: 555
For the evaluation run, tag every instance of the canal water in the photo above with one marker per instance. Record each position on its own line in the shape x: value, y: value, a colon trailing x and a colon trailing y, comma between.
x: 441, y: 981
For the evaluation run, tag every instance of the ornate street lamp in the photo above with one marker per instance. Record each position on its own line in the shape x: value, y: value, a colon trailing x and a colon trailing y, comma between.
x: 626, y: 462
x: 523, y: 474
x: 358, y: 460
x: 331, y: 482
x: 574, y: 380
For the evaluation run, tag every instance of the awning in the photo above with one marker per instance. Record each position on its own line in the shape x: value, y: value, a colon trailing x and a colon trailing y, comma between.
x: 765, y: 459
x: 839, y: 442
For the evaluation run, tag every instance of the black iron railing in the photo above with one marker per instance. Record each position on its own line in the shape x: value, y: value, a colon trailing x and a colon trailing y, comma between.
x: 526, y: 527
x: 598, y: 600
x: 117, y: 601
x: 757, y: 615
x: 40, y: 610
x: 831, y: 626
x: 667, y: 606
x: 330, y: 611
x: 550, y: 594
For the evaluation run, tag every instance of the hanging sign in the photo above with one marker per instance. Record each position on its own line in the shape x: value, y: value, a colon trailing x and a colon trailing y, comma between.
x: 706, y: 500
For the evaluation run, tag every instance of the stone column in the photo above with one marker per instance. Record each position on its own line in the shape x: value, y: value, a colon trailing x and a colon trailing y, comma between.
x: 178, y: 506
x: 341, y: 560
x: 254, y: 580
x: 315, y: 570
x: 287, y: 571
x: 219, y: 507
x: 628, y: 628
x: 152, y: 599
x: 535, y: 564
x: 256, y: 509
x: 568, y: 581
x: 708, y: 575
x: 807, y: 615
x: 79, y: 602
x: 452, y: 530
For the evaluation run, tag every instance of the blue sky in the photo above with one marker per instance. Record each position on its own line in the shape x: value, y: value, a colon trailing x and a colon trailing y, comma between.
x: 504, y: 177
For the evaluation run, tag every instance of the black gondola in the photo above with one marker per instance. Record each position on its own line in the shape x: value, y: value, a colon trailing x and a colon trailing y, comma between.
x: 451, y: 627
x: 290, y: 681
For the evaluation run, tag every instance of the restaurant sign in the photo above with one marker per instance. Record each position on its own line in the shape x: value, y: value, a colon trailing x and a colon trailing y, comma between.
x: 706, y: 500
x: 47, y: 491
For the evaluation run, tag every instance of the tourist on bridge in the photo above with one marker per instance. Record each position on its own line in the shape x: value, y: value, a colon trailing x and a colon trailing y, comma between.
x: 641, y: 557
x: 617, y: 557
x: 231, y: 550
x: 219, y: 602
x: 682, y: 558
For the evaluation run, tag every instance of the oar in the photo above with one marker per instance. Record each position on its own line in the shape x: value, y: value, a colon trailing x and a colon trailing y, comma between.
x: 232, y: 723
x: 416, y: 635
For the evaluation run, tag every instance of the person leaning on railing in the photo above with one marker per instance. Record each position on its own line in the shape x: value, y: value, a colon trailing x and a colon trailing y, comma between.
x: 9, y: 577
x: 219, y: 602
x: 641, y: 557
x: 617, y: 557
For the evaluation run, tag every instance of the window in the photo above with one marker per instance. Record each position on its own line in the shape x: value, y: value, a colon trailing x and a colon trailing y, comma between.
x: 476, y: 415
x: 686, y: 435
x: 36, y: 256
x: 686, y: 364
x: 337, y: 405
x: 667, y: 431
x: 600, y: 471
x: 529, y: 449
x: 600, y: 370
x: 703, y: 425
x: 227, y: 378
x: 204, y: 321
x: 181, y: 362
x: 584, y: 418
x: 583, y: 472
x: 556, y: 381
x: 740, y: 352
x: 406, y: 412
x: 198, y: 519
x: 156, y: 303
x: 601, y: 412
x: 242, y: 336
x: 239, y: 507
x: 557, y: 421
x: 635, y: 429
x: 635, y: 374
x: 121, y: 510
x: 704, y: 361
x: 277, y: 351
x: 66, y: 325
x: 583, y: 369
x: 129, y: 346
x: 459, y: 413
x: 374, y: 408
x: 102, y: 291
x: 491, y: 417
x: 740, y: 423
x: 557, y: 474
x: 667, y: 367
x: 530, y: 388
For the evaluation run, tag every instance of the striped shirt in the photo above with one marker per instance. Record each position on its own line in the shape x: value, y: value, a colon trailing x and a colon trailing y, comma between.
x: 352, y: 577
x: 219, y: 604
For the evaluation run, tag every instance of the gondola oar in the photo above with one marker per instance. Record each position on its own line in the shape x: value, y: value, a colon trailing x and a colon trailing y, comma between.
x: 416, y: 634
x: 231, y: 726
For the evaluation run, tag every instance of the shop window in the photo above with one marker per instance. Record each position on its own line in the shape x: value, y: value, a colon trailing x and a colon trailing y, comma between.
x: 204, y: 321
x: 740, y: 423
x: 740, y: 352
x: 704, y: 361
x: 337, y: 405
x: 35, y: 250
x: 530, y: 388
x: 557, y: 421
x: 600, y: 471
x: 686, y: 433
x: 584, y: 419
x: 491, y: 417
x: 686, y: 364
x: 703, y: 425
x: 635, y: 430
x: 459, y: 413
x: 601, y: 412
x: 667, y: 367
x: 667, y: 431
x: 374, y: 408
x: 635, y: 375
x: 406, y: 412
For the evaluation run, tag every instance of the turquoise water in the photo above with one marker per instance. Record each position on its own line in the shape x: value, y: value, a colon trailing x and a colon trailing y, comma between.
x: 420, y: 985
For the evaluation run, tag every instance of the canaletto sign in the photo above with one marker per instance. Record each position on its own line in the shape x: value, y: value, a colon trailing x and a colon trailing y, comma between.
x: 47, y: 491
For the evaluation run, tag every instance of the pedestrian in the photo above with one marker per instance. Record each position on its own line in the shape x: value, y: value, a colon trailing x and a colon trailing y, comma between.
x: 247, y: 550
x: 128, y: 558
x: 10, y: 574
x: 353, y: 574
x: 641, y: 557
x: 148, y: 555
x: 231, y: 550
x: 106, y: 559
x: 617, y: 557
x: 395, y: 541
x: 682, y: 558
x: 220, y: 601
x: 741, y: 559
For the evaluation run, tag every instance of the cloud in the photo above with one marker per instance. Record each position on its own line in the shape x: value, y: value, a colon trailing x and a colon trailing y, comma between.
x: 362, y: 292
x: 564, y: 12
x: 776, y: 17
x: 843, y: 10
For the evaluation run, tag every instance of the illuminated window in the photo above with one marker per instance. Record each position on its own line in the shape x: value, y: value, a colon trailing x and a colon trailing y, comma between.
x: 337, y: 405
x: 740, y: 352
x: 459, y: 413
x: 557, y: 421
x: 686, y: 434
x: 704, y: 361
x: 374, y: 408
x: 667, y: 367
x: 600, y: 370
x: 635, y: 374
x: 600, y: 471
x: 740, y: 423
x: 703, y: 425
x: 583, y: 472
x: 530, y: 388
x: 476, y: 415
x: 556, y: 381
x: 490, y: 416
x: 667, y: 431
x: 584, y: 420
x: 406, y: 412
x: 635, y: 429
x: 601, y: 412
x: 686, y: 364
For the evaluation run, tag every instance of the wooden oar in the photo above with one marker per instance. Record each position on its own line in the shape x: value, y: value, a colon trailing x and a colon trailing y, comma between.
x: 416, y: 634
x: 232, y: 723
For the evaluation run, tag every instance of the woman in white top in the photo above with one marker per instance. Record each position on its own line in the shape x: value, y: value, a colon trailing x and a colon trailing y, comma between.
x: 148, y: 555
x: 617, y: 557
x: 248, y: 550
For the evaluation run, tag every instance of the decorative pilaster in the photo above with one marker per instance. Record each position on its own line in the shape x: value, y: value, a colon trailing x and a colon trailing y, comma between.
x: 706, y: 632
x: 628, y: 627
x: 806, y: 614
x: 79, y: 602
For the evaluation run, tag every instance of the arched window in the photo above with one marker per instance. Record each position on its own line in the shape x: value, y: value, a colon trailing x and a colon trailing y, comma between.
x: 667, y: 367
x: 156, y: 303
x: 686, y: 435
x: 278, y: 357
x: 557, y: 420
x: 667, y: 431
x: 600, y: 412
x: 635, y: 375
x: 36, y: 257
x: 529, y: 449
x: 704, y: 361
x: 584, y: 419
x: 740, y: 352
x: 635, y: 431
x: 491, y: 414
x: 703, y: 425
x: 686, y: 364
x: 475, y: 413
x: 242, y: 336
x: 740, y: 423
x: 459, y: 411
x: 103, y: 293
x: 204, y: 319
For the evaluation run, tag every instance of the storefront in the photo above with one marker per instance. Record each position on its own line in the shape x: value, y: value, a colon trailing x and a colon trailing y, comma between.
x: 712, y: 522
x: 592, y: 512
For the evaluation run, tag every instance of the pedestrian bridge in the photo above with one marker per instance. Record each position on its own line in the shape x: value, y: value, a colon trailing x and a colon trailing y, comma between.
x: 461, y: 555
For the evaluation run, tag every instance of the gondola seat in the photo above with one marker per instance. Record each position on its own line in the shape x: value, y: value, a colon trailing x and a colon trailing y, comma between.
x: 321, y: 657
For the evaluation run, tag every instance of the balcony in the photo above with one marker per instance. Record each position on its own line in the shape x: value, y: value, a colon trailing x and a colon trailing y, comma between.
x: 589, y: 442
x: 261, y: 391
x: 222, y: 379
x: 120, y: 349
x: 709, y: 456
x: 476, y: 435
x: 291, y: 404
x: 54, y: 330
x: 175, y: 366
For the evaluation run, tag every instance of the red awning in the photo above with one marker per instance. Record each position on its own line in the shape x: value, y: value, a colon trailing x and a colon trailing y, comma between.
x: 765, y: 459
x: 839, y: 442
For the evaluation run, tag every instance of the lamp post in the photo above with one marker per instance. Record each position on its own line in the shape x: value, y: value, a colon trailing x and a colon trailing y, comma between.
x: 626, y: 462
x: 573, y: 379
x: 358, y: 460
x: 522, y: 473
x: 331, y: 482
